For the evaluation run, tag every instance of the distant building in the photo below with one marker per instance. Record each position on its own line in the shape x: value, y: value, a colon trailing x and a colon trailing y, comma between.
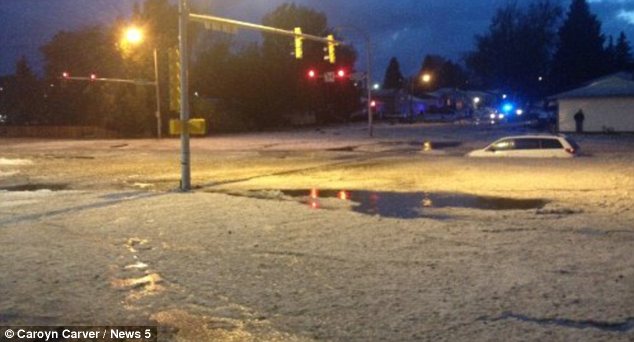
x: 453, y: 99
x: 604, y: 105
x: 398, y: 104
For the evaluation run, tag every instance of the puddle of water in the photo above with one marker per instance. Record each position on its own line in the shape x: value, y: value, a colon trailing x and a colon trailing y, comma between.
x: 408, y: 205
x: 35, y: 187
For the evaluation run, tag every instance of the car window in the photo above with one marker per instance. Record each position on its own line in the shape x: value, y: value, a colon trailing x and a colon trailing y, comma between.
x: 551, y: 144
x: 503, y: 145
x: 526, y: 144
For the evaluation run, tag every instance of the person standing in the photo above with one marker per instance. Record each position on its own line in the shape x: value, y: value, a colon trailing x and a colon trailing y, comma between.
x: 579, y: 117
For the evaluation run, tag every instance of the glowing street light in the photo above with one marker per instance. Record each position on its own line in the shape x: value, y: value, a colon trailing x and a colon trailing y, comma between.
x: 476, y: 101
x: 134, y: 35
x: 426, y: 78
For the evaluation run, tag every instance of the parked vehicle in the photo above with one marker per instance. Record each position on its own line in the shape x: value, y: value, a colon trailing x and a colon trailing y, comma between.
x: 530, y: 146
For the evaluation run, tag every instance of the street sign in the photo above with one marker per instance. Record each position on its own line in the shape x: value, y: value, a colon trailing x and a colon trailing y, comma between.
x: 329, y: 77
x: 196, y: 127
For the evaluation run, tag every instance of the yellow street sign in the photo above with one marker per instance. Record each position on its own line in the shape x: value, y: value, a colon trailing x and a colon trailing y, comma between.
x: 196, y: 127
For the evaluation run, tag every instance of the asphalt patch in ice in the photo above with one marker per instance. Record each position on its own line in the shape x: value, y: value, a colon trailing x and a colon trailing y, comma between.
x: 35, y: 187
x: 410, y: 205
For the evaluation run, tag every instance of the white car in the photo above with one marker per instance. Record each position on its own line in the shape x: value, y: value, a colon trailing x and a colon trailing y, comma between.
x: 530, y: 146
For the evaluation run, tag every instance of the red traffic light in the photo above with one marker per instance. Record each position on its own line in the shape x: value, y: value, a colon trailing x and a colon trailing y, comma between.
x: 312, y: 73
x: 341, y: 73
x: 93, y: 77
x: 372, y: 103
x: 65, y: 74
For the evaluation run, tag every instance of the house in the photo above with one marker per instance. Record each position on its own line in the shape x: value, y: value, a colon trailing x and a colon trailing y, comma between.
x: 397, y: 103
x: 453, y: 99
x: 604, y: 105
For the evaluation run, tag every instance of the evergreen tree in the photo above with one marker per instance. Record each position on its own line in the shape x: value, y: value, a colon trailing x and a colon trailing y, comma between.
x: 517, y: 49
x: 393, y: 77
x: 24, y: 97
x: 443, y: 72
x: 580, y: 55
x: 609, y: 61
x: 622, y: 53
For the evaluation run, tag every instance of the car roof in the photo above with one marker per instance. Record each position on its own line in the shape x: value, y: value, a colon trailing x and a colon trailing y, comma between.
x: 533, y: 136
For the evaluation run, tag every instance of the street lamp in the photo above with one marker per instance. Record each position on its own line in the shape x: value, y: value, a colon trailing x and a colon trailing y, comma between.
x: 134, y: 36
x: 425, y: 78
x: 476, y: 101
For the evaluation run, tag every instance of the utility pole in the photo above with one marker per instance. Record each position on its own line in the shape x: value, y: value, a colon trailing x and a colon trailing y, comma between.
x: 158, y: 96
x: 183, y: 19
x: 368, y: 82
x: 368, y: 74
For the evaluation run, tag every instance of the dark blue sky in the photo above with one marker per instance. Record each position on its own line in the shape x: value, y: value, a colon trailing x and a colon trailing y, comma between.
x: 406, y: 29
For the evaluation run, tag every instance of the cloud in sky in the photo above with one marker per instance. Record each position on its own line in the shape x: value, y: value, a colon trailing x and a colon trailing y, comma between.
x: 628, y: 16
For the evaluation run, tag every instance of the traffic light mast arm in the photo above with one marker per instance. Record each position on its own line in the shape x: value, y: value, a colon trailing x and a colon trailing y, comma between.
x: 103, y: 79
x: 206, y: 19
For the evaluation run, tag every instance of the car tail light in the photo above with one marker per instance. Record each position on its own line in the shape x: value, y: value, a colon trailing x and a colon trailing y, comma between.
x: 570, y: 150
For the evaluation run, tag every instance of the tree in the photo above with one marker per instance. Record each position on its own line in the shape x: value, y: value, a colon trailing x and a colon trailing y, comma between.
x: 516, y: 50
x: 329, y: 101
x: 264, y: 85
x: 443, y: 73
x: 393, y: 77
x: 622, y: 53
x: 23, y: 100
x: 579, y: 56
x: 128, y: 109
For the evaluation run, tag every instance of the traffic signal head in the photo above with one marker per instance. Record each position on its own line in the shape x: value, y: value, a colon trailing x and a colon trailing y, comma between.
x: 331, y: 49
x: 174, y: 67
x: 312, y: 73
x: 341, y: 73
x: 299, y: 52
x: 93, y: 77
x: 65, y: 74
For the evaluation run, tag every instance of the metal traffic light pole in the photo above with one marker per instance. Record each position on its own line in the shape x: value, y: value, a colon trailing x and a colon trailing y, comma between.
x: 183, y: 19
x: 157, y: 88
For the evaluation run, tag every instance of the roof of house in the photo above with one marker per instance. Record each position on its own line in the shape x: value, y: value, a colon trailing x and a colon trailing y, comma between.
x: 448, y: 92
x: 401, y: 92
x: 611, y: 86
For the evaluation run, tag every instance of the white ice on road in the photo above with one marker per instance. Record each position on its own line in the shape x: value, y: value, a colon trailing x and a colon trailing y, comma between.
x: 210, y: 266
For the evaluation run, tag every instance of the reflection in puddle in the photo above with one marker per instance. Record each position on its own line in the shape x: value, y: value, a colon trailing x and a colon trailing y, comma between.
x: 411, y: 204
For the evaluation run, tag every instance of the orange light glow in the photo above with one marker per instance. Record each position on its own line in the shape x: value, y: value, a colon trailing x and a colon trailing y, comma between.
x: 133, y: 35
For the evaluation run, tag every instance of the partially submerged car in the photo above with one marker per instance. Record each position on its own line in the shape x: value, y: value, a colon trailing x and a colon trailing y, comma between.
x: 530, y: 146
